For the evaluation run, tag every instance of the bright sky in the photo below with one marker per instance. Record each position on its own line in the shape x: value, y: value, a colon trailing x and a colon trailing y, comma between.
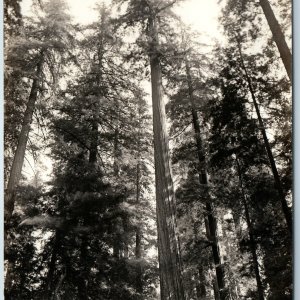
x: 202, y: 15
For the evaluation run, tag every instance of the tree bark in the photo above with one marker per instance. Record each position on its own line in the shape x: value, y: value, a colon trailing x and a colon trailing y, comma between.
x: 285, y: 208
x: 168, y: 247
x: 212, y: 224
x: 260, y: 290
x: 278, y: 36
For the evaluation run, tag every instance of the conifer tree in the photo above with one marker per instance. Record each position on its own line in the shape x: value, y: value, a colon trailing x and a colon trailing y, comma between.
x: 39, y: 56
x: 147, y: 13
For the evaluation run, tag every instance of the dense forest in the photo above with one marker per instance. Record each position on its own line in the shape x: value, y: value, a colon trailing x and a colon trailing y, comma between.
x: 170, y: 165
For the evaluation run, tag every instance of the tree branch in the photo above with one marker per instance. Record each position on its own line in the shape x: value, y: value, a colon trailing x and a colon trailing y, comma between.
x: 166, y: 6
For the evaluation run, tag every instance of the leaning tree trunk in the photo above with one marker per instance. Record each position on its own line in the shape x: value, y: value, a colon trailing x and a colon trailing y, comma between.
x: 212, y: 223
x: 168, y: 246
x: 260, y: 289
x: 16, y: 169
x: 278, y: 37
x: 285, y: 208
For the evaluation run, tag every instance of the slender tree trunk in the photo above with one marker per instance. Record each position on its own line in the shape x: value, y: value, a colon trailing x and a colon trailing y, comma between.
x: 200, y: 285
x: 212, y: 224
x: 83, y: 276
x: 201, y: 288
x: 125, y: 222
x: 233, y: 286
x: 138, y: 234
x: 58, y: 287
x: 116, y: 151
x: 16, y: 169
x: 83, y: 283
x: 84, y: 273
x: 285, y: 208
x: 15, y: 172
x: 169, y: 255
x: 278, y: 37
x: 51, y: 267
x: 138, y: 255
x: 260, y: 290
x: 94, y: 144
x: 117, y: 244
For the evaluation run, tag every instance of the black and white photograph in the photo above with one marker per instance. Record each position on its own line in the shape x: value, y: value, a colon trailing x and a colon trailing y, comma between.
x: 148, y: 150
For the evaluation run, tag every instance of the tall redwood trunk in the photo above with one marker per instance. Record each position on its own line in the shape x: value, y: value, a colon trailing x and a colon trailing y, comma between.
x: 260, y: 289
x: 212, y: 223
x: 168, y: 247
x: 285, y: 208
x: 278, y: 37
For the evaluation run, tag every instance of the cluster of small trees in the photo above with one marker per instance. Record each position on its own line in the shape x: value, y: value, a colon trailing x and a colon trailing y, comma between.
x: 223, y: 231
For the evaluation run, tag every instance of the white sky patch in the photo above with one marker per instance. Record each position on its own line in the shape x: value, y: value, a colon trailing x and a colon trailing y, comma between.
x: 201, y: 15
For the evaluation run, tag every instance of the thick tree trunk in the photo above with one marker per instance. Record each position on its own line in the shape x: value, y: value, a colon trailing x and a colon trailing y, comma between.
x: 260, y: 290
x: 169, y: 255
x: 212, y: 224
x: 285, y: 208
x: 278, y: 37
x: 16, y: 169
